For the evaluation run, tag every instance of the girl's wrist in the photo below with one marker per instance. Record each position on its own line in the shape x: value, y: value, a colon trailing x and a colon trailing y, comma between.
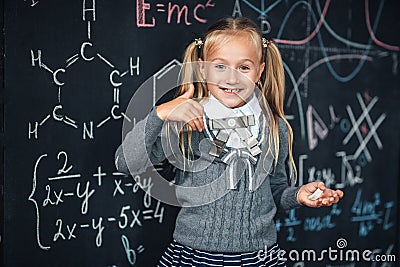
x: 297, y: 195
x: 159, y: 112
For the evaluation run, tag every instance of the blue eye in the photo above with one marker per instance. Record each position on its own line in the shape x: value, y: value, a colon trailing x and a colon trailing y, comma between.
x: 244, y: 67
x: 220, y: 66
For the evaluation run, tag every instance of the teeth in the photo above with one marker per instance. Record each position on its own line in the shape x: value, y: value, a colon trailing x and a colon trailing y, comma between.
x: 231, y: 90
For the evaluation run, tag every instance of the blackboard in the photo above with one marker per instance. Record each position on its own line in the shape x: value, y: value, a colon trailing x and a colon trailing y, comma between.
x: 71, y: 68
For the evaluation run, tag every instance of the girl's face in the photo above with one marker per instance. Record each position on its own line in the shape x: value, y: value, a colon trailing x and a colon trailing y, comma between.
x: 232, y: 69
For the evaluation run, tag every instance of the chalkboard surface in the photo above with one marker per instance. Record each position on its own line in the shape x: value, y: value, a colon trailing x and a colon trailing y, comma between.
x: 71, y: 68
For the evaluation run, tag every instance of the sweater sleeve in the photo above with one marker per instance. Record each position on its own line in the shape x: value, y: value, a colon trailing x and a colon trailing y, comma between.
x: 141, y: 147
x: 284, y: 195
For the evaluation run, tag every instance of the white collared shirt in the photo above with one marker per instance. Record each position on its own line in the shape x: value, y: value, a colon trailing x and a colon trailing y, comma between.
x: 214, y: 109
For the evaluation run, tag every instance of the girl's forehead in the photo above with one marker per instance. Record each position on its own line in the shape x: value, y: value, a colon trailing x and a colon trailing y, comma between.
x: 235, y: 45
x: 232, y: 35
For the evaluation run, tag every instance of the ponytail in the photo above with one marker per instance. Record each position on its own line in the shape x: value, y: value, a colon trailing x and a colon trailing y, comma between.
x: 273, y: 88
x: 190, y: 75
x: 191, y: 71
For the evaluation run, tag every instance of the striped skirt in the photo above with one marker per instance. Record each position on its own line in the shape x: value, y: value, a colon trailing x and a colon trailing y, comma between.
x: 177, y: 255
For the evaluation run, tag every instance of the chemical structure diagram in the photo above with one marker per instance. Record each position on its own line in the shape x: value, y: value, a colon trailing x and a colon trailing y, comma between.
x: 58, y: 114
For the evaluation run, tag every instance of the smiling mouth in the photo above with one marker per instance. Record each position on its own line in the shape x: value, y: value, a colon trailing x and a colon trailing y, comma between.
x: 231, y: 90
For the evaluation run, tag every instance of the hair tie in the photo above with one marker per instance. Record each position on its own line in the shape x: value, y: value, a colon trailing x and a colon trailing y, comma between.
x: 198, y: 42
x: 266, y: 42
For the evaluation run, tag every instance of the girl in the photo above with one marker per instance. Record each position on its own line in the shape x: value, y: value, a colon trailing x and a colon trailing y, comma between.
x: 243, y: 139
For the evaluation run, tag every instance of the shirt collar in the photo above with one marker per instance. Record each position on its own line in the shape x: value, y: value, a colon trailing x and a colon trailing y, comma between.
x: 216, y: 110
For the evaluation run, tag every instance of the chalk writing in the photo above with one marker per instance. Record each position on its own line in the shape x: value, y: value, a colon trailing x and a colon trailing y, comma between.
x: 184, y: 14
x: 289, y: 223
x: 320, y: 223
x: 86, y: 54
x: 368, y: 214
x: 265, y: 25
x: 57, y: 195
x: 130, y: 253
x: 33, y: 2
x: 355, y: 129
x: 349, y: 175
x: 316, y: 128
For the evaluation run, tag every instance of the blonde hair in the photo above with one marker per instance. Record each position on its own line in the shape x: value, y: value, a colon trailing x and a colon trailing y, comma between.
x: 272, y: 78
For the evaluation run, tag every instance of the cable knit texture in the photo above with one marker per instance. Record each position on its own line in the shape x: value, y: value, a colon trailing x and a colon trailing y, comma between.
x: 239, y: 221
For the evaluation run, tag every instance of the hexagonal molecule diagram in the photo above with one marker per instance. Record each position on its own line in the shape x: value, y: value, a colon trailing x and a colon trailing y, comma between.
x: 60, y: 112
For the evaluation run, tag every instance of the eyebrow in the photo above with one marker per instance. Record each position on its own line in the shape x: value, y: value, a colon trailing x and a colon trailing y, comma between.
x: 241, y: 60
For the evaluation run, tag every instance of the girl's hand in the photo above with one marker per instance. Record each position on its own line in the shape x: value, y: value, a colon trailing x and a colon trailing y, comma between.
x: 327, y: 198
x: 183, y: 109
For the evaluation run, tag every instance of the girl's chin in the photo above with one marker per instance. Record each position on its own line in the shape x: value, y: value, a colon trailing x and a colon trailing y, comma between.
x: 233, y: 103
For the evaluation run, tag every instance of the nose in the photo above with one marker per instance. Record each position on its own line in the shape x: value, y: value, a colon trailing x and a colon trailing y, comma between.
x: 232, y: 76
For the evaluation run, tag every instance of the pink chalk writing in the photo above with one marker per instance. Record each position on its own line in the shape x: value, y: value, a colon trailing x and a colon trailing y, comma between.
x: 146, y: 13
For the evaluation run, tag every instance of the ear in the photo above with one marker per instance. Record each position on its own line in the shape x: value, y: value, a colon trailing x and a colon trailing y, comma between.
x: 260, y: 71
x: 202, y: 69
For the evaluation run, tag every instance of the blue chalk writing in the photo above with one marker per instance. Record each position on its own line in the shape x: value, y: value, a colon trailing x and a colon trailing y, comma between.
x: 322, y: 222
x: 130, y: 253
x: 369, y: 213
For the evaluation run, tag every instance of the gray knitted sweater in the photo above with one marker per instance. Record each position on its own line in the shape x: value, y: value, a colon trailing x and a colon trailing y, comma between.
x: 239, y: 221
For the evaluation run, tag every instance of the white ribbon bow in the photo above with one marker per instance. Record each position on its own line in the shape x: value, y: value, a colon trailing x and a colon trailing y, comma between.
x: 232, y: 159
